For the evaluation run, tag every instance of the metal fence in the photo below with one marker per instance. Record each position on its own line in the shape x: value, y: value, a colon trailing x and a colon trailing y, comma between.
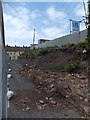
x: 3, y: 70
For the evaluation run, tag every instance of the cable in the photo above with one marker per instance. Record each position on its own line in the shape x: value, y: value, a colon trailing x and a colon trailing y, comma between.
x: 85, y: 21
x: 66, y: 16
x: 84, y: 8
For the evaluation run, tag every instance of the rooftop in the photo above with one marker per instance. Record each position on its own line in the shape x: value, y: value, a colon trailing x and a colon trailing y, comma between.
x: 14, y: 49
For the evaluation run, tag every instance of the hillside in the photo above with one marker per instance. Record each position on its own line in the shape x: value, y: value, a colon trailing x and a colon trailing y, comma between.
x: 59, y: 72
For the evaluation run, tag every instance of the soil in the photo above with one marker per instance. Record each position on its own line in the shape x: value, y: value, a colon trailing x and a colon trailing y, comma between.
x: 52, y: 87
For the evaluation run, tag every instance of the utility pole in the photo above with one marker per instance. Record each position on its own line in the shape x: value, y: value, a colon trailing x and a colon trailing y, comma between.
x: 88, y: 35
x: 33, y: 37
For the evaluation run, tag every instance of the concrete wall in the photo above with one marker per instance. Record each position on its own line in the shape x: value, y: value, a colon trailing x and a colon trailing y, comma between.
x: 3, y: 81
x: 71, y: 38
x: 0, y: 77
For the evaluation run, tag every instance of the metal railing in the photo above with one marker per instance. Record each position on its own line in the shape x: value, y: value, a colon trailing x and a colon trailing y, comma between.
x: 3, y: 69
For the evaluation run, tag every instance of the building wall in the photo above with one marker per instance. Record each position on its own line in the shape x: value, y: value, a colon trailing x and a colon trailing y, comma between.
x: 71, y: 38
x: 42, y: 41
x: 14, y: 55
x: 3, y: 69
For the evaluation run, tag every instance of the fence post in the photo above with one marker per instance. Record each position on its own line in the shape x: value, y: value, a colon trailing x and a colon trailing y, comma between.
x: 3, y: 69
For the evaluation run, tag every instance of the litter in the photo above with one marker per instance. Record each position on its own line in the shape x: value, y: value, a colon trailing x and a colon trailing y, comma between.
x: 26, y: 64
x: 9, y: 76
x: 10, y: 94
x: 9, y: 70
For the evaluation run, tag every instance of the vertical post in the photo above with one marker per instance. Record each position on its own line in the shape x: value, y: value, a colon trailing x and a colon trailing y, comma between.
x: 88, y: 35
x: 70, y: 26
x: 3, y: 83
x: 33, y: 38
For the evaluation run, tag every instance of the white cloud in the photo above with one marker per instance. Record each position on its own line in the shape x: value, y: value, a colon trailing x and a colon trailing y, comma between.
x: 79, y: 10
x: 54, y: 14
x: 18, y: 25
x: 20, y: 22
x: 53, y: 32
x: 45, y: 22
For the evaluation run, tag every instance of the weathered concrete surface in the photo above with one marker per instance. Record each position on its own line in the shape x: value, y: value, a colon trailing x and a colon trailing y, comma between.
x: 71, y: 38
x: 3, y: 90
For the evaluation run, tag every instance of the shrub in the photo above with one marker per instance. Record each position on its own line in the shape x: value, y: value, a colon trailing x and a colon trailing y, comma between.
x: 88, y: 40
x: 70, y: 44
x: 72, y: 67
x: 69, y: 68
x: 76, y: 63
x: 82, y: 44
x: 43, y: 52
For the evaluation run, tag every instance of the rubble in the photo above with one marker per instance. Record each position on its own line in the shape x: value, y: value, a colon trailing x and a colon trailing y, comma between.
x: 40, y: 107
x: 84, y: 51
x: 27, y: 108
x: 41, y: 101
x: 53, y: 102
x: 72, y: 86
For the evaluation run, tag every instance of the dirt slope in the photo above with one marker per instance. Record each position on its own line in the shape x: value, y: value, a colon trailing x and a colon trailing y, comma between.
x: 55, y: 82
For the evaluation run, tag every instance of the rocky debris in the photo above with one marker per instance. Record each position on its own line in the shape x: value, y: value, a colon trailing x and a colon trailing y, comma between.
x: 53, y: 102
x: 65, y: 114
x: 84, y: 66
x: 61, y: 85
x: 41, y: 101
x: 27, y: 108
x: 26, y: 64
x: 84, y: 51
x: 40, y: 107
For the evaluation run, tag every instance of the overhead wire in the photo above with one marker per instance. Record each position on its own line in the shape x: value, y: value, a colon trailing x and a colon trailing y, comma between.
x: 85, y: 20
x: 67, y: 16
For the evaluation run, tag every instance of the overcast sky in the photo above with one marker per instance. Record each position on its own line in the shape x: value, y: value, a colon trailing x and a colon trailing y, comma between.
x: 50, y: 20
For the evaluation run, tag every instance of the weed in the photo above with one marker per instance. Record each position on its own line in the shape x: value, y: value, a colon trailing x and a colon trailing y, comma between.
x: 71, y: 67
x: 83, y: 44
x: 70, y: 44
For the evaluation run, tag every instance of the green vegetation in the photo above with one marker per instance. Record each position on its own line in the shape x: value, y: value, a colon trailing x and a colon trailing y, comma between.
x: 82, y: 44
x: 79, y: 44
x: 88, y: 40
x: 43, y: 51
x: 72, y: 67
x: 24, y: 55
x: 67, y: 68
x: 70, y: 44
x: 37, y: 52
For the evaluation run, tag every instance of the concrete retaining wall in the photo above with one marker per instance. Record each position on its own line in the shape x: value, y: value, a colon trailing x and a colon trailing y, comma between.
x: 71, y: 38
x: 3, y: 70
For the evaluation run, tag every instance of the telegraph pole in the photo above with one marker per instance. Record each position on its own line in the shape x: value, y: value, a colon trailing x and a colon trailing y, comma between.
x: 33, y: 37
x: 88, y: 35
